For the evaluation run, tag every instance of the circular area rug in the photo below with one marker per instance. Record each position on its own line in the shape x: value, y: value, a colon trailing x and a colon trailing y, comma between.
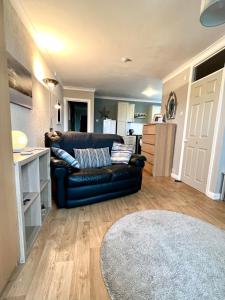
x: 162, y: 255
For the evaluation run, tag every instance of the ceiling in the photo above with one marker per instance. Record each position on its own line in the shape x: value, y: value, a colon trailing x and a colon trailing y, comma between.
x: 86, y: 40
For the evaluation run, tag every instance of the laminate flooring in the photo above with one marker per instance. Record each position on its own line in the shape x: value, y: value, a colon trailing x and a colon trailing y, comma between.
x: 64, y: 262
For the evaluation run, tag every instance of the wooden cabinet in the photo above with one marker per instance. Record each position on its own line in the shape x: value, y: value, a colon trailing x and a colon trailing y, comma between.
x: 158, y: 146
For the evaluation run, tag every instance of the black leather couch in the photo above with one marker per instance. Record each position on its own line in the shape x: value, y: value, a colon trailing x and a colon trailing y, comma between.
x: 73, y: 187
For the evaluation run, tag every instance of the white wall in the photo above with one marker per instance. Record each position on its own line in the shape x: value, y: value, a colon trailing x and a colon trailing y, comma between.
x: 179, y: 85
x: 8, y: 218
x: 21, y: 46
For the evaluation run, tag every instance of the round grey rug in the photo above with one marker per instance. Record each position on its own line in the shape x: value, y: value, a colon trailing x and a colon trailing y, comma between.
x: 163, y: 255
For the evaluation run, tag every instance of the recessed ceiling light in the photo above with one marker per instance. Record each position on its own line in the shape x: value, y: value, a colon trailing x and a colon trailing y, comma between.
x: 126, y: 59
x: 150, y: 92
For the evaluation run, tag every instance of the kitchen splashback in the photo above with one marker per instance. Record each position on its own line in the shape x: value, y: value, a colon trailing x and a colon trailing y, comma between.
x: 137, y: 127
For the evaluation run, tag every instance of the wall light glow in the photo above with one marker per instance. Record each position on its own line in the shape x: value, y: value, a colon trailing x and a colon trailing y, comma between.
x: 49, y: 42
x: 38, y: 69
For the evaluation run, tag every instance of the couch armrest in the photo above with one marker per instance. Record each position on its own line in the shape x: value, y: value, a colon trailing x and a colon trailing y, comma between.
x: 59, y: 163
x: 60, y: 170
x: 137, y: 160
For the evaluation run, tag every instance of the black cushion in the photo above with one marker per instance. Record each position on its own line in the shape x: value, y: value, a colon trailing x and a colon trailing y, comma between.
x: 89, y: 177
x: 123, y: 172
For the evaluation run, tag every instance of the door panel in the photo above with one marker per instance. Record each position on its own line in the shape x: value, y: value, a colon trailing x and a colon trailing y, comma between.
x: 189, y: 161
x: 194, y: 120
x: 201, y: 161
x: 207, y: 118
x: 211, y: 86
x: 200, y: 129
x: 197, y: 91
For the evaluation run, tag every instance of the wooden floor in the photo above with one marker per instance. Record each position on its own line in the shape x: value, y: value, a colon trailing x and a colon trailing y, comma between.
x: 64, y: 262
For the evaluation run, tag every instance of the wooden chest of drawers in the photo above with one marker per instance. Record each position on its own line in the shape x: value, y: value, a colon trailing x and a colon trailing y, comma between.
x: 158, y: 147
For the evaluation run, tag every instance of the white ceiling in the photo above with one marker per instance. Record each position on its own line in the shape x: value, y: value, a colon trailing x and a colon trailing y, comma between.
x: 159, y: 35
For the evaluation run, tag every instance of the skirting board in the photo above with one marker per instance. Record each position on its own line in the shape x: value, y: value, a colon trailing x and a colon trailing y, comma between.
x: 214, y: 196
x: 175, y: 176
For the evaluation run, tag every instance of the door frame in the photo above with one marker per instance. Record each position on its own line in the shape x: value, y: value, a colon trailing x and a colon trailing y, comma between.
x: 66, y: 112
x: 210, y: 194
x: 215, y: 138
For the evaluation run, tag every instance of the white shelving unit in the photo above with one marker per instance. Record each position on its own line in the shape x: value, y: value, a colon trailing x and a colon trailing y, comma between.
x: 33, y: 193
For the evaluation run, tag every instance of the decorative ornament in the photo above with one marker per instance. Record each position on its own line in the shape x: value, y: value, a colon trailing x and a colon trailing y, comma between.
x: 104, y: 114
x: 171, y: 106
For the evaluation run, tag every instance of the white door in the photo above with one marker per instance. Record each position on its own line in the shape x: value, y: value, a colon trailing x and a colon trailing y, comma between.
x: 200, y: 129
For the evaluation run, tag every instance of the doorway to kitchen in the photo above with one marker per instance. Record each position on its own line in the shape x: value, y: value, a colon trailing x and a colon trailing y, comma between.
x: 77, y: 116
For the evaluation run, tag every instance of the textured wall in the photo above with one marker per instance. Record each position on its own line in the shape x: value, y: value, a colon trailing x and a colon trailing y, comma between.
x: 19, y: 44
x: 178, y: 84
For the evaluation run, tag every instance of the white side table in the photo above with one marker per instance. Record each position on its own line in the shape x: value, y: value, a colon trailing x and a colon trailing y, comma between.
x: 33, y: 193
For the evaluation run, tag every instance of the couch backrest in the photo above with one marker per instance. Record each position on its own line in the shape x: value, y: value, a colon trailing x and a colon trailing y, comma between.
x: 79, y: 140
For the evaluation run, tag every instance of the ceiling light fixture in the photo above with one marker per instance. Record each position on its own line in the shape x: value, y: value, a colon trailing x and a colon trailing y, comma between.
x: 212, y: 13
x: 150, y: 92
x: 126, y: 59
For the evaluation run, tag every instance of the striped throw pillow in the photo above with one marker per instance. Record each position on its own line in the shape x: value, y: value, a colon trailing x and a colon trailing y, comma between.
x: 93, y: 158
x: 60, y: 153
x: 121, y: 153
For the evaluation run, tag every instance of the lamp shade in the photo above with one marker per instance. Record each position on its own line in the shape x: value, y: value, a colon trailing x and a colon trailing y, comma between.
x: 51, y: 83
x: 58, y: 106
x: 19, y: 140
x: 212, y: 12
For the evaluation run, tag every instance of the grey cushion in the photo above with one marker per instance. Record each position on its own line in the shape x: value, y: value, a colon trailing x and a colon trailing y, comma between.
x: 121, y: 153
x: 93, y: 158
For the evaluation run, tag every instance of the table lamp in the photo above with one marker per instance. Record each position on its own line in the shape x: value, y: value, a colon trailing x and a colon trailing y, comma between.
x: 19, y: 140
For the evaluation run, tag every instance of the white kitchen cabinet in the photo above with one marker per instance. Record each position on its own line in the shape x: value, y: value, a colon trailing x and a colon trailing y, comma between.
x: 125, y: 115
x: 130, y: 112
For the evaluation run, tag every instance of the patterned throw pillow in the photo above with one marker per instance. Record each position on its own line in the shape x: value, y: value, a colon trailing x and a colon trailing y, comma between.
x: 93, y: 158
x: 60, y: 153
x: 121, y: 153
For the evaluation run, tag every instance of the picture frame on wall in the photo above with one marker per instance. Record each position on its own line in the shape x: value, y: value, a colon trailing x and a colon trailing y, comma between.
x: 158, y: 118
x: 20, y: 83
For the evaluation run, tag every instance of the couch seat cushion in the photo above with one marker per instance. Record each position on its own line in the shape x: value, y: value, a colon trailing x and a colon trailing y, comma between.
x: 89, y: 176
x: 122, y: 172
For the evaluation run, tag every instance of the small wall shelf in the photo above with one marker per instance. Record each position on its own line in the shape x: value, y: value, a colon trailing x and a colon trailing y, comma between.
x: 33, y: 193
